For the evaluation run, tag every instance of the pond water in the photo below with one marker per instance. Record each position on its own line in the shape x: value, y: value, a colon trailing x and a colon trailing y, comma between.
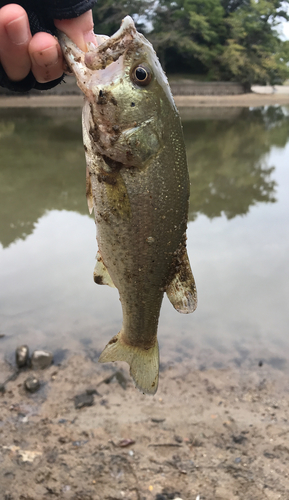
x: 238, y: 240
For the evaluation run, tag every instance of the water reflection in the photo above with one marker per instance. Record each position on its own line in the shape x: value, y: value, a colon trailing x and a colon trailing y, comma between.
x: 228, y: 166
x: 43, y: 167
x: 47, y: 295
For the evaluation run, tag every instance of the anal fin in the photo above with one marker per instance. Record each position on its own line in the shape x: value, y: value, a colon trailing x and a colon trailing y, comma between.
x: 182, y: 291
x: 101, y: 275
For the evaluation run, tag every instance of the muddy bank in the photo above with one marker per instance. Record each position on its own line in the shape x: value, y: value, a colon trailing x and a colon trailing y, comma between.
x: 207, y: 434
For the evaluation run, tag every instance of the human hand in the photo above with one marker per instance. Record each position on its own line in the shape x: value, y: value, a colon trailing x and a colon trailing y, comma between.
x: 21, y: 52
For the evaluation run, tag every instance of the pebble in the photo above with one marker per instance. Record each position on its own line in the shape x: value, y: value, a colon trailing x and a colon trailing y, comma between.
x: 92, y: 390
x: 22, y: 355
x: 32, y: 384
x: 2, y: 388
x: 41, y: 359
x: 83, y: 400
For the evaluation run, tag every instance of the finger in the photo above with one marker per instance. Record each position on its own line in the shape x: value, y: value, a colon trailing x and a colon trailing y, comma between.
x: 46, y: 57
x: 79, y: 29
x: 15, y: 36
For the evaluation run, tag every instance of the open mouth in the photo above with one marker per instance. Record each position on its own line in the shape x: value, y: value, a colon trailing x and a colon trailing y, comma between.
x: 98, y: 57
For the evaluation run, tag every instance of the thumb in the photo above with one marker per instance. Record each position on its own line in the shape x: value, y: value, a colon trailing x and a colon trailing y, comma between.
x: 78, y: 29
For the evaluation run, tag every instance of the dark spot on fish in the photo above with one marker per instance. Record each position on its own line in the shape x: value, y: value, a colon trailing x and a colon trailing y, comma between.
x: 94, y: 132
x: 129, y: 155
x: 107, y: 178
x: 113, y: 101
x: 153, y: 384
x: 113, y: 340
x: 132, y: 104
x: 77, y: 59
x: 98, y: 280
x: 102, y: 97
x: 113, y: 164
x: 113, y: 139
x: 85, y: 148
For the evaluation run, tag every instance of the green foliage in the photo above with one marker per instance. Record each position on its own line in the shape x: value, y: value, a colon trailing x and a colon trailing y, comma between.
x: 233, y: 40
x: 108, y: 14
x: 253, y: 52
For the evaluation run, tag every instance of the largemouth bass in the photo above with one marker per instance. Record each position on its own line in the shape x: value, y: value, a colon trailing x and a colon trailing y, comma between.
x: 138, y: 186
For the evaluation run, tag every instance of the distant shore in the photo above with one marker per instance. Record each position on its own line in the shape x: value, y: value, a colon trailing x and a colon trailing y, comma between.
x: 242, y: 100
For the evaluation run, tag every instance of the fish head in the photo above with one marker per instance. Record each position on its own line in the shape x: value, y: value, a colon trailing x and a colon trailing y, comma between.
x: 127, y: 94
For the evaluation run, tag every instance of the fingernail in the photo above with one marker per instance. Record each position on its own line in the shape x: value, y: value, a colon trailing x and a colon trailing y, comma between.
x: 18, y: 30
x: 46, y: 57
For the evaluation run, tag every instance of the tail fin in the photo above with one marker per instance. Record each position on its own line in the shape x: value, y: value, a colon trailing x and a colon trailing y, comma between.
x: 144, y: 364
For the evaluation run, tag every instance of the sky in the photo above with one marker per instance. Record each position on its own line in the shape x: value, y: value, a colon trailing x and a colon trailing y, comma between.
x: 285, y: 29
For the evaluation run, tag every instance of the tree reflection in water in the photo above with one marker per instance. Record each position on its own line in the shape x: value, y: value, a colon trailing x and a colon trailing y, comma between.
x: 43, y: 167
x: 227, y: 161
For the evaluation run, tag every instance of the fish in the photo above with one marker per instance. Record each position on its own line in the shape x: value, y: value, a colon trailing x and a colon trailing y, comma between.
x: 137, y: 183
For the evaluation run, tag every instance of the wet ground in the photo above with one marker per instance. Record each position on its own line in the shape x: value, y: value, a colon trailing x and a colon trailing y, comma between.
x: 217, y: 434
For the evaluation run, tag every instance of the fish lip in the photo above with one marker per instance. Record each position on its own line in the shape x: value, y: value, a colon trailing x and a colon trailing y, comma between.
x: 113, y: 47
x: 101, y: 56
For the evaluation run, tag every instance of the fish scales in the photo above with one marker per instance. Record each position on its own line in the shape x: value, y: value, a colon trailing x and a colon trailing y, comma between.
x: 138, y: 185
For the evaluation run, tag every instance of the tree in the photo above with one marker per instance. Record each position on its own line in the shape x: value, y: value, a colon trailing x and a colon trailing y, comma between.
x: 253, y: 52
x: 223, y: 39
x: 188, y: 34
x: 108, y: 14
x: 235, y: 40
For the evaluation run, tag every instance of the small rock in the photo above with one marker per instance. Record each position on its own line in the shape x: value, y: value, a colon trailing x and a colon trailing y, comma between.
x: 92, y: 390
x: 123, y: 443
x: 240, y: 439
x: 2, y: 388
x: 22, y: 355
x: 32, y: 384
x: 62, y: 421
x: 41, y: 359
x: 83, y: 400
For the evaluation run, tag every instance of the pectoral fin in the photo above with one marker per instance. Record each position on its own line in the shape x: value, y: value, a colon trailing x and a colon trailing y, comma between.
x: 182, y: 290
x: 100, y: 274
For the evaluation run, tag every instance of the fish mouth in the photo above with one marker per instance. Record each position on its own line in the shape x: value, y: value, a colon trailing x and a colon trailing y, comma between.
x: 113, y: 47
x: 108, y: 51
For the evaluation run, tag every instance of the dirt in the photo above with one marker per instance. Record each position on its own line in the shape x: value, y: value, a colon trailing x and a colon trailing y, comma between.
x: 217, y: 434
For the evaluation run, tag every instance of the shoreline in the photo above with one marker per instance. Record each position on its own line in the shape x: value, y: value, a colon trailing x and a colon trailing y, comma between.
x: 75, y: 101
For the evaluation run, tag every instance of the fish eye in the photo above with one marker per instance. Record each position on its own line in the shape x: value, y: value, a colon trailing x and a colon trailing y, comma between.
x: 141, y: 75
